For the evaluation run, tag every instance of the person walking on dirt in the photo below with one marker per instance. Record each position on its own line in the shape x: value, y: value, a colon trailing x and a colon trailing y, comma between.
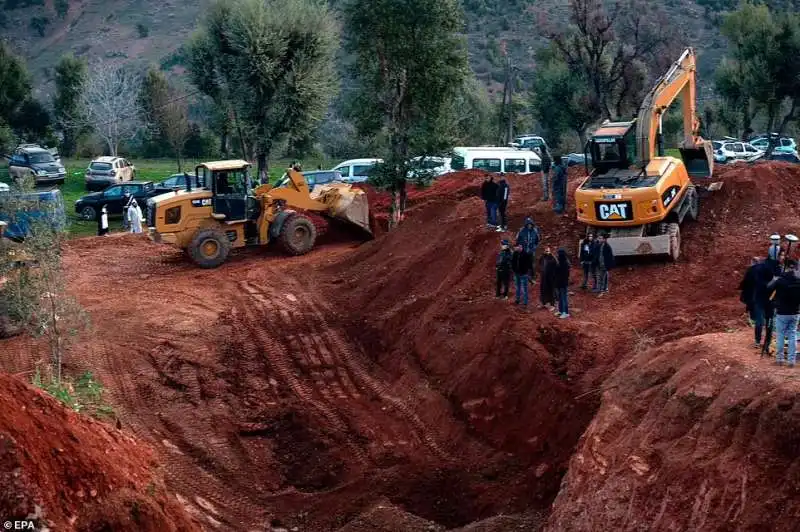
x: 547, y: 288
x: 503, y: 195
x: 603, y: 261
x: 489, y: 197
x: 787, y: 311
x: 562, y: 284
x: 102, y: 222
x: 529, y: 237
x: 503, y: 270
x: 559, y: 185
x: 587, y: 252
x: 521, y: 264
x: 547, y: 161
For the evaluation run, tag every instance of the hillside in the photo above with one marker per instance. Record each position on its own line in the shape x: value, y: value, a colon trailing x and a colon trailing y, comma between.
x: 149, y: 31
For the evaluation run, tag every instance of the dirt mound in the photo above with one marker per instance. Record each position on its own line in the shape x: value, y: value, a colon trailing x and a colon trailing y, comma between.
x: 73, y: 473
x: 699, y: 434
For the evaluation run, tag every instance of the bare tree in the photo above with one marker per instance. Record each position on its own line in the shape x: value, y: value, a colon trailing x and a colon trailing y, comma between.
x: 166, y: 112
x: 109, y: 104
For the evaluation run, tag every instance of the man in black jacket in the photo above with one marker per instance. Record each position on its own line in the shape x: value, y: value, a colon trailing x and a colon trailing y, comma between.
x: 521, y: 264
x: 503, y: 195
x: 603, y: 261
x: 489, y: 197
x: 587, y: 255
x: 748, y: 297
x: 787, y: 311
x: 559, y: 185
x: 503, y: 269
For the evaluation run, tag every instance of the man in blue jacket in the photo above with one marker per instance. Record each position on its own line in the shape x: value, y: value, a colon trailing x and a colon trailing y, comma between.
x: 529, y: 237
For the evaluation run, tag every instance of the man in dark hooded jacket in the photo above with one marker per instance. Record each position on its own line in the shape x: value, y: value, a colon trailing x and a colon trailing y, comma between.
x: 529, y: 238
x: 503, y: 195
x: 547, y: 288
x: 489, y: 197
x: 603, y: 261
x: 559, y: 185
x: 503, y: 270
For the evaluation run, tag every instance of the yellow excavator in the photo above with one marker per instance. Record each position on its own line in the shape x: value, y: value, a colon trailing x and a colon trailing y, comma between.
x: 635, y: 194
x: 218, y: 211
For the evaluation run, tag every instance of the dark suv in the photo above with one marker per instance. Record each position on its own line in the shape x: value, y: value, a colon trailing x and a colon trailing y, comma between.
x: 115, y: 198
x: 38, y: 163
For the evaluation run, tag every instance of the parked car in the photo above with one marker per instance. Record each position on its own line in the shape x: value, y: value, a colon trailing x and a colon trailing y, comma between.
x: 20, y: 211
x: 578, y: 158
x: 783, y: 144
x: 528, y: 142
x: 356, y: 170
x: 106, y: 171
x: 314, y: 178
x: 37, y: 162
x: 734, y: 151
x: 179, y: 181
x: 115, y: 198
x: 435, y: 166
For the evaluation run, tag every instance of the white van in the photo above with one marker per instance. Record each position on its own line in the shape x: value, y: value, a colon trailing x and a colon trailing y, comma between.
x: 496, y: 159
x: 356, y: 170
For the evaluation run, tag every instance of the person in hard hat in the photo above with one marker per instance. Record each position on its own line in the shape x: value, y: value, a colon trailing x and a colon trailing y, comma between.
x: 503, y: 270
x: 102, y: 222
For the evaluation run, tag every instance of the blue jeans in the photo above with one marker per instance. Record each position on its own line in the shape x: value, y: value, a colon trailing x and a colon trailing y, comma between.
x: 491, y: 212
x: 563, y: 300
x: 602, y: 280
x: 560, y: 202
x: 786, y: 327
x: 521, y: 288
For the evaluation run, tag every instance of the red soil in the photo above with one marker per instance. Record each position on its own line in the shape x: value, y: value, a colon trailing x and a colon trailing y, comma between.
x: 304, y: 391
x: 75, y: 473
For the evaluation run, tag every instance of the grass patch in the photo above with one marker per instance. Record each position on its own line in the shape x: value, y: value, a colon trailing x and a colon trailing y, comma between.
x: 146, y: 170
x: 84, y: 394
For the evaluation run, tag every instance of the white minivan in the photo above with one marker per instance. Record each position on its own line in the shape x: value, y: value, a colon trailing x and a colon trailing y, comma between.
x: 496, y: 159
x: 356, y: 170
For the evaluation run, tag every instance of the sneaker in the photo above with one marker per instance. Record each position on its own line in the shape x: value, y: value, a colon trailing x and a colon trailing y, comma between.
x: 499, y: 229
x: 505, y: 298
x: 563, y: 316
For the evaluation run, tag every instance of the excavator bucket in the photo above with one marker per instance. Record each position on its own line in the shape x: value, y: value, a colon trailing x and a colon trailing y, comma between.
x: 698, y: 159
x: 345, y: 203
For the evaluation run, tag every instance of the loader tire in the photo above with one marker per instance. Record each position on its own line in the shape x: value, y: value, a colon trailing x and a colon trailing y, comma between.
x: 674, y: 232
x: 209, y: 248
x: 298, y: 235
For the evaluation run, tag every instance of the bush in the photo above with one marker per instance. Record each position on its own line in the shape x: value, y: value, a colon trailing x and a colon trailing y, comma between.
x: 39, y: 25
x: 143, y: 30
x: 84, y: 394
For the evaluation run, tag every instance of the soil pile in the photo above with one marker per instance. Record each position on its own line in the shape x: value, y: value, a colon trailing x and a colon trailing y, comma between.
x: 69, y: 472
x: 699, y: 434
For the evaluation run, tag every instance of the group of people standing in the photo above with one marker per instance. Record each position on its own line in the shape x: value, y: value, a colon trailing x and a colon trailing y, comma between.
x: 597, y: 258
x: 770, y: 290
x: 495, y: 196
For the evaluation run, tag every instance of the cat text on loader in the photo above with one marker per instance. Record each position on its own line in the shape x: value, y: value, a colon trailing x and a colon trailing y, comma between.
x: 222, y: 212
x: 635, y: 194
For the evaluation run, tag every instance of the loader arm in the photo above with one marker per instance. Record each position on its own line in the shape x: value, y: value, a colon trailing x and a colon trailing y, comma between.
x: 679, y: 81
x: 296, y: 194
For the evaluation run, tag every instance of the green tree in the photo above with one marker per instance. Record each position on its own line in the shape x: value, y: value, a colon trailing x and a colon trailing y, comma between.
x: 70, y: 78
x: 764, y: 66
x: 15, y: 84
x: 32, y: 121
x: 411, y: 61
x: 270, y: 65
x: 165, y: 112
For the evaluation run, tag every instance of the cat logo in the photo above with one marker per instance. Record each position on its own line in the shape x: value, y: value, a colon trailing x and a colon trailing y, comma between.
x: 610, y: 212
x: 203, y: 202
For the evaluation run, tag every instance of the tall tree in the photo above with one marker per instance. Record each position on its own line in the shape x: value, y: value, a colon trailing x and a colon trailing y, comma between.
x: 15, y: 88
x: 70, y: 79
x: 270, y: 64
x: 411, y: 61
x: 614, y: 46
x: 765, y: 62
x: 165, y: 112
x: 110, y: 104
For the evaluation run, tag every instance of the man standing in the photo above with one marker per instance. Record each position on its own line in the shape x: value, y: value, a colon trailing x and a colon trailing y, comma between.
x: 787, y: 309
x: 559, y: 185
x: 547, y: 289
x: 134, y: 217
x: 489, y: 197
x: 521, y: 264
x: 102, y: 222
x: 603, y: 261
x: 503, y: 195
x: 587, y: 252
x: 546, y: 163
x: 529, y: 237
x: 562, y: 284
x: 503, y: 270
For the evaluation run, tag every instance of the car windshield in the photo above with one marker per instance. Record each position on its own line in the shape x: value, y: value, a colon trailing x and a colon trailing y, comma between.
x: 100, y: 167
x: 41, y: 157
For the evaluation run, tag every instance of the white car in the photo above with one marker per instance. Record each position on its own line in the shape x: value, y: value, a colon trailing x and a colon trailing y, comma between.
x: 733, y: 150
x: 784, y: 144
x: 435, y: 165
x: 356, y: 170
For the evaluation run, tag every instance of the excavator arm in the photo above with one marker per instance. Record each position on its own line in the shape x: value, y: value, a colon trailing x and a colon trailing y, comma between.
x: 679, y: 81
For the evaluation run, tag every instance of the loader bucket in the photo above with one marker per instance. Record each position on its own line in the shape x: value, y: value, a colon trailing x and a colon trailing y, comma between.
x: 345, y: 203
x: 698, y: 159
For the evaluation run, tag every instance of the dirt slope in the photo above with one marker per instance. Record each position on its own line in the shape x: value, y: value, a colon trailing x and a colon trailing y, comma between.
x: 699, y: 434
x: 72, y: 473
x: 305, y: 391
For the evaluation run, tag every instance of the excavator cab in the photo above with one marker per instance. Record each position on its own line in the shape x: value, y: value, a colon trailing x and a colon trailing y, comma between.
x: 613, y: 147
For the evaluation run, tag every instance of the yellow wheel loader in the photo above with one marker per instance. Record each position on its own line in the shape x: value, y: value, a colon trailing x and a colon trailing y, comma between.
x: 218, y: 211
x: 635, y: 194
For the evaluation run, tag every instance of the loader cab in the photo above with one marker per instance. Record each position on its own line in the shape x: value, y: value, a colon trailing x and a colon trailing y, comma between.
x: 612, y: 146
x: 229, y: 182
